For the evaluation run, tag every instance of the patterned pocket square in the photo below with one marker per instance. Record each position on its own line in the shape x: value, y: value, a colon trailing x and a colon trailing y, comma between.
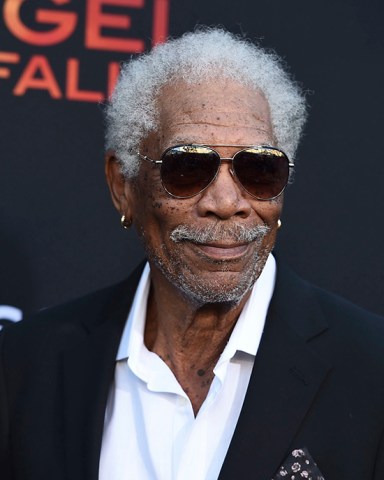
x: 299, y: 465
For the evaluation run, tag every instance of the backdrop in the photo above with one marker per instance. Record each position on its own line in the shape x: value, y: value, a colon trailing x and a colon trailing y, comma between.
x: 59, y: 234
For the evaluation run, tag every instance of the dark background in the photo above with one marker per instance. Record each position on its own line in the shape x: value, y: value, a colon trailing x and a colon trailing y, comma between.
x: 59, y: 234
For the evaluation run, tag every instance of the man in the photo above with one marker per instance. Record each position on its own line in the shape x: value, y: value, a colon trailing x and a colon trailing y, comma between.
x: 210, y: 361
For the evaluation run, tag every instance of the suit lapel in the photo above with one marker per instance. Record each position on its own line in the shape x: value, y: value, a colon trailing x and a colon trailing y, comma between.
x: 88, y: 370
x: 286, y: 377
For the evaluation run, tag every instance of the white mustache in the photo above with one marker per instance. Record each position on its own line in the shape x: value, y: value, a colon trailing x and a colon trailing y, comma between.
x: 219, y: 233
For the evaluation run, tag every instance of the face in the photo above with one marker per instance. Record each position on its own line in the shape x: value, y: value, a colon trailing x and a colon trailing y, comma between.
x: 212, y: 247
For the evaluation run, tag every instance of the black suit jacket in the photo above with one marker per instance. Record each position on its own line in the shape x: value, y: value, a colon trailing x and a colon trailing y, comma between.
x: 317, y: 382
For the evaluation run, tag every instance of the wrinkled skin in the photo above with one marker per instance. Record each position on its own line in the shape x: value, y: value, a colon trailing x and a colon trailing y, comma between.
x: 198, y: 290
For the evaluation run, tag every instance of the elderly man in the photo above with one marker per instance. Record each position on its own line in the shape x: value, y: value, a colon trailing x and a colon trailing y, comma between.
x: 210, y: 361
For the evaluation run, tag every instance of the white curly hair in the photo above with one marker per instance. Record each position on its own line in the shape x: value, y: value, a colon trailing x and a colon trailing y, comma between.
x: 207, y: 53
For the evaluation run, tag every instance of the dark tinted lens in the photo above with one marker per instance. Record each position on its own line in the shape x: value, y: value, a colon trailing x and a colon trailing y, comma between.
x: 263, y: 172
x: 186, y: 170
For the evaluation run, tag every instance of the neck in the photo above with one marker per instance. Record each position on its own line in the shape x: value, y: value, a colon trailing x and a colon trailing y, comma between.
x: 189, y: 338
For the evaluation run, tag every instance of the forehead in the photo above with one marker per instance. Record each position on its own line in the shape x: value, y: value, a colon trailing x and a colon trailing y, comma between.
x: 212, y: 111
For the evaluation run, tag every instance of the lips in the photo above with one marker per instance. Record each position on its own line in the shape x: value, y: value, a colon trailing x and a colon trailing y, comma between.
x: 222, y: 251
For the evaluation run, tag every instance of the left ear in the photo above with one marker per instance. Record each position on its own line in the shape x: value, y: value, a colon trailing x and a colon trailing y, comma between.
x: 120, y: 188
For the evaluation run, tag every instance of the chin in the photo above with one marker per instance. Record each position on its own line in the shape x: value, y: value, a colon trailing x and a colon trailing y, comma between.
x: 202, y: 287
x: 223, y: 288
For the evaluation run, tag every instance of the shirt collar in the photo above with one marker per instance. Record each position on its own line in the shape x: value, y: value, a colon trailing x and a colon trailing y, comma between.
x: 133, y: 333
x: 249, y: 327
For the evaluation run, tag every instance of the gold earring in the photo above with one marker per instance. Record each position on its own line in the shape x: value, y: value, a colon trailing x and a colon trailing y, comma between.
x: 125, y: 223
x: 278, y: 223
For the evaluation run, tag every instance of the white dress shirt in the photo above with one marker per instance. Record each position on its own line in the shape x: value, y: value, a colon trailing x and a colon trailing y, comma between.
x: 150, y: 431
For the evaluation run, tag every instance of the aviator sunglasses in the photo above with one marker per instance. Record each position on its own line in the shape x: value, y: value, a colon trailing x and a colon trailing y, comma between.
x: 187, y: 170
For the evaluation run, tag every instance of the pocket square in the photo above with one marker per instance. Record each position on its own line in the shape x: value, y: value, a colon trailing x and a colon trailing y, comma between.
x: 299, y: 465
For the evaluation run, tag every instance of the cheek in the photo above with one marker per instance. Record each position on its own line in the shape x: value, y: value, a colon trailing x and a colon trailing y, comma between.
x: 269, y: 211
x: 150, y: 192
x: 148, y: 195
x: 156, y: 213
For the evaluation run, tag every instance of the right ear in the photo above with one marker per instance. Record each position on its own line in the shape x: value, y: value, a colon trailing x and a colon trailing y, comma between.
x: 120, y: 188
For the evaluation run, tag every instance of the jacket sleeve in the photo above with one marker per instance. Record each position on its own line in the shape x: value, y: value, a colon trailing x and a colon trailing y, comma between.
x: 5, y: 463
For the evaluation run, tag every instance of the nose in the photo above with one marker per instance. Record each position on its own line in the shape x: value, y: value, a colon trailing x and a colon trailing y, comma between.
x: 224, y: 198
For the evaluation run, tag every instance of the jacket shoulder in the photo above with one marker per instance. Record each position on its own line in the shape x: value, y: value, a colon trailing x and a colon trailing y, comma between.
x: 75, y: 317
x: 362, y: 331
x: 348, y: 328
